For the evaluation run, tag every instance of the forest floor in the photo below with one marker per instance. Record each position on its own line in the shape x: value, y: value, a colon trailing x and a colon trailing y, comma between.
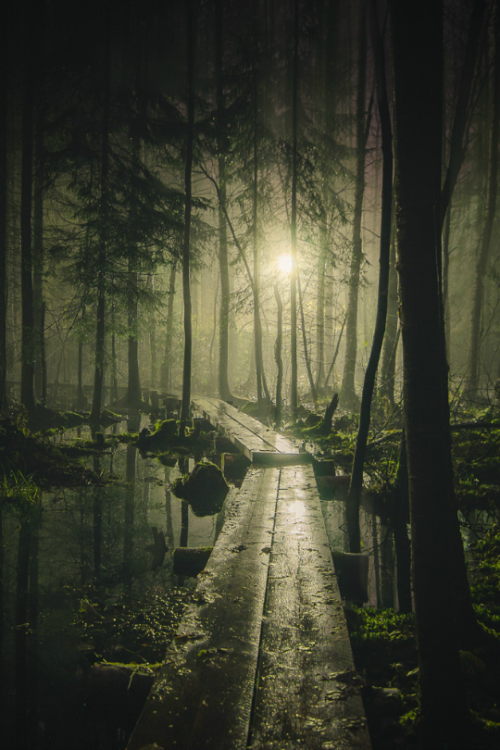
x: 383, y: 640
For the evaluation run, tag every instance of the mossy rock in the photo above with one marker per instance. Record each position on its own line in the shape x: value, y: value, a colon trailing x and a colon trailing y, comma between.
x: 205, y: 489
x: 164, y: 435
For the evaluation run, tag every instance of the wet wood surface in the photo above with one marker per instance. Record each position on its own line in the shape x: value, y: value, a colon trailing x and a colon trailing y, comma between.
x: 307, y: 692
x: 262, y: 660
x: 258, y: 442
x: 203, y: 697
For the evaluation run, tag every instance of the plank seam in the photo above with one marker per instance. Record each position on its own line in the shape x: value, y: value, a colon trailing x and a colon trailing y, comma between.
x: 257, y: 670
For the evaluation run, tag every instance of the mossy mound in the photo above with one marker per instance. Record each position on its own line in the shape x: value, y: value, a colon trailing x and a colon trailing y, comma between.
x: 205, y: 489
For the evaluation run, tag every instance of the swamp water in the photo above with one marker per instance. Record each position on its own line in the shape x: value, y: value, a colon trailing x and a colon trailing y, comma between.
x: 93, y: 582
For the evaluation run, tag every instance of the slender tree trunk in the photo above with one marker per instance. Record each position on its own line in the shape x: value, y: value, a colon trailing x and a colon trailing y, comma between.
x: 21, y: 639
x: 457, y: 149
x: 294, y: 400
x: 472, y: 382
x: 222, y: 143
x: 80, y: 401
x: 400, y: 520
x: 336, y: 353
x: 166, y: 366
x: 306, y: 348
x: 437, y: 562
x: 320, y: 307
x: 186, y: 288
x: 27, y: 297
x: 446, y: 279
x: 38, y: 257
x: 128, y: 522
x: 388, y: 370
x: 278, y: 358
x: 261, y: 384
x: 3, y: 219
x: 348, y: 390
x: 133, y: 396
x: 95, y: 414
x: 355, y: 487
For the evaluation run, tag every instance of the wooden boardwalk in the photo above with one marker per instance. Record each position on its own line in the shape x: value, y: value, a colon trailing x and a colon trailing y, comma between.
x: 262, y: 658
x: 259, y: 443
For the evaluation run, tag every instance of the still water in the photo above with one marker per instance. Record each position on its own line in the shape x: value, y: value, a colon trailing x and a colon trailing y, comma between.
x: 97, y: 573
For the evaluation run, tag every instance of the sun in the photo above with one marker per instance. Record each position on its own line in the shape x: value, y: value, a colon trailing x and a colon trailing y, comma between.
x: 285, y: 263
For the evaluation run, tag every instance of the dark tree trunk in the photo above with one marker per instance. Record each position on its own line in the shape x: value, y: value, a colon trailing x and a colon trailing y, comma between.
x: 128, y: 521
x: 388, y: 369
x: 457, y: 149
x: 439, y: 580
x: 294, y: 399
x: 166, y: 365
x: 21, y: 638
x: 3, y: 220
x: 320, y: 307
x: 277, y: 356
x: 472, y: 382
x: 355, y: 487
x: 348, y: 390
x: 336, y: 352
x: 186, y: 288
x: 222, y: 144
x: 400, y: 520
x: 27, y: 296
x: 261, y: 385
x: 133, y: 397
x: 38, y: 302
x: 306, y: 347
x: 95, y: 414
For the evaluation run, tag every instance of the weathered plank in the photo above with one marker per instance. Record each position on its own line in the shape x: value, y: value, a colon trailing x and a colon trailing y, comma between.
x: 259, y: 443
x: 307, y: 694
x: 202, y: 699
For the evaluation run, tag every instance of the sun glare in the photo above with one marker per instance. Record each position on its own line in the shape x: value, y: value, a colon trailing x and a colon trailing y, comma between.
x: 285, y: 263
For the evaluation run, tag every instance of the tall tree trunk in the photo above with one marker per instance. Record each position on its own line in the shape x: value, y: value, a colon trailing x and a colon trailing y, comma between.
x: 95, y: 414
x: 3, y: 217
x: 305, y: 345
x: 437, y: 554
x: 348, y: 390
x: 21, y: 638
x: 320, y: 306
x: 133, y: 396
x: 472, y: 382
x: 278, y: 357
x: 186, y: 288
x: 261, y: 385
x: 38, y: 302
x: 457, y: 148
x: 294, y: 400
x: 388, y: 369
x: 400, y: 520
x: 355, y: 487
x: 166, y: 365
x: 27, y: 297
x: 222, y: 145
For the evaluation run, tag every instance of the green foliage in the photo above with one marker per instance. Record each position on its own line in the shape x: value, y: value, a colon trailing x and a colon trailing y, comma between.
x: 485, y: 588
x: 130, y: 626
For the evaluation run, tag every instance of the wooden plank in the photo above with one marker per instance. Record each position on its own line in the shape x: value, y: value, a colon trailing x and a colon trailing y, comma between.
x: 307, y: 696
x: 259, y: 443
x: 202, y: 699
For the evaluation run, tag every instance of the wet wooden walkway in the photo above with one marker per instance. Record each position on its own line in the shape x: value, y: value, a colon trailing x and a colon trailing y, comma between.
x: 262, y: 658
x: 259, y: 443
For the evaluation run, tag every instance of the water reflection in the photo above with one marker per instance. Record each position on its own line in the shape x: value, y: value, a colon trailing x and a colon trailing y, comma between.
x: 72, y: 573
